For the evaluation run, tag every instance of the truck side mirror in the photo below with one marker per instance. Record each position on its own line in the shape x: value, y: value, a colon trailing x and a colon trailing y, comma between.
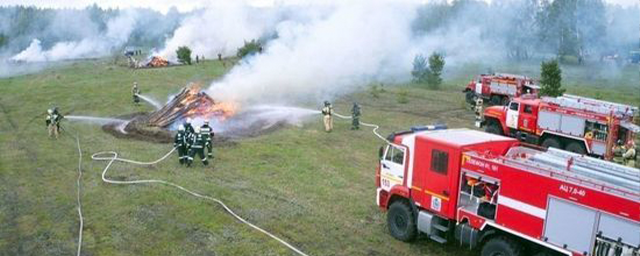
x: 380, y: 152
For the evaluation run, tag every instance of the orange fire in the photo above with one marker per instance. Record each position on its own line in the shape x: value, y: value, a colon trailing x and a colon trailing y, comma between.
x: 205, y: 106
x: 157, y: 61
x: 191, y: 102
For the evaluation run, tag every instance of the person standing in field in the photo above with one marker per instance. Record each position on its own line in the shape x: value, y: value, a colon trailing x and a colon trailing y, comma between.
x: 136, y: 93
x: 53, y: 122
x: 355, y: 117
x: 180, y: 143
x: 208, y: 134
x: 327, y: 112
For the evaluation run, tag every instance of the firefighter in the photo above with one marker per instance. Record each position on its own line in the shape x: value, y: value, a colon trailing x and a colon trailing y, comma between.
x: 478, y: 109
x: 207, y: 133
x: 188, y: 128
x: 355, y: 116
x: 327, y: 112
x: 136, y: 92
x: 180, y: 143
x: 629, y: 156
x: 618, y: 151
x: 53, y: 122
x: 197, y: 147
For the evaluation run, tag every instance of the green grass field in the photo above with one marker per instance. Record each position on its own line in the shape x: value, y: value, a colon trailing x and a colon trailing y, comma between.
x: 315, y: 190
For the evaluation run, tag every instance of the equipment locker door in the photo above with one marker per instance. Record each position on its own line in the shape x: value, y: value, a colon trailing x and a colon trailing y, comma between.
x: 437, y: 179
x: 512, y: 115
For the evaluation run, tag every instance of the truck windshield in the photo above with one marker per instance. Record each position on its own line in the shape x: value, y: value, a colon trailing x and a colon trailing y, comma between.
x: 395, y: 155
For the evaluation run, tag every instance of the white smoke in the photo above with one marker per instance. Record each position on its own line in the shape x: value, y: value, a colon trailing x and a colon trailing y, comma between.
x: 327, y: 55
x: 220, y: 29
x: 117, y: 34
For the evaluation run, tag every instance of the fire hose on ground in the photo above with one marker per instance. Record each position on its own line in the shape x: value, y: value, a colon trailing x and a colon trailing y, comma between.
x: 112, y: 156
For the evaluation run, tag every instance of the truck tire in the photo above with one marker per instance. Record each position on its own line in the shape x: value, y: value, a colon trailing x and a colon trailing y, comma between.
x: 494, y: 127
x: 401, y: 221
x: 576, y: 147
x: 501, y: 246
x: 551, y: 142
x: 495, y: 100
x: 471, y: 97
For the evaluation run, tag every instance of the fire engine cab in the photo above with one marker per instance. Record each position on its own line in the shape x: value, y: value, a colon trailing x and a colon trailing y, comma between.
x: 489, y: 192
x: 577, y: 124
x: 499, y: 88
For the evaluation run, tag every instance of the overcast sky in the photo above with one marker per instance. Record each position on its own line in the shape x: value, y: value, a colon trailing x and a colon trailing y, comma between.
x: 164, y: 5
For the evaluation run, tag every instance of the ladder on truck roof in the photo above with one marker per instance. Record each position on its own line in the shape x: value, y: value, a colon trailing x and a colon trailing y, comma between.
x: 592, y: 105
x: 510, y: 75
x: 617, y: 178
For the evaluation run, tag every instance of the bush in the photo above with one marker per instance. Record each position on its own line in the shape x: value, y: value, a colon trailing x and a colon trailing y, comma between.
x: 403, y: 96
x: 249, y: 48
x: 184, y: 55
x: 569, y: 59
x: 428, y: 72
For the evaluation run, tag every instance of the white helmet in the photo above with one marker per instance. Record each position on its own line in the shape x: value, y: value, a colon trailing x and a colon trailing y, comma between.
x: 206, y: 121
x: 197, y: 129
x: 188, y: 120
x: 50, y: 111
x: 181, y: 128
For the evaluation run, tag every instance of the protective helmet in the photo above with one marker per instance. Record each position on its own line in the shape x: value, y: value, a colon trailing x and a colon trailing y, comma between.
x: 181, y: 128
x: 479, y: 101
x: 206, y: 121
x: 326, y: 103
x: 197, y: 129
x: 50, y: 111
x: 188, y: 120
x: 135, y: 83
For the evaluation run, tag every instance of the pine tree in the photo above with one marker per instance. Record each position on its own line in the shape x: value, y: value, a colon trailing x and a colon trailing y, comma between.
x: 551, y: 79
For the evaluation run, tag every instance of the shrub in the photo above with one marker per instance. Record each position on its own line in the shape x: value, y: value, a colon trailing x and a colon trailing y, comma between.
x: 184, y: 55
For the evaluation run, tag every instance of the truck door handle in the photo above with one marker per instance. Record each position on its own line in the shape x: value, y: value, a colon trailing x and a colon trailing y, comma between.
x: 385, y: 166
x: 445, y: 193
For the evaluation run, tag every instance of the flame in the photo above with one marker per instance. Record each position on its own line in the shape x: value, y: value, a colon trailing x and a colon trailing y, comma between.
x: 157, y: 61
x: 205, y: 106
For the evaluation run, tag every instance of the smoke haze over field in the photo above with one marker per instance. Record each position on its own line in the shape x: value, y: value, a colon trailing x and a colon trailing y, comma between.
x: 117, y: 33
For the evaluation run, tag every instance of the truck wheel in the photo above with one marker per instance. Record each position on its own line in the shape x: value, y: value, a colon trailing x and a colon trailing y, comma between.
x: 496, y: 100
x: 494, y: 128
x: 551, y: 143
x: 500, y: 246
x: 576, y: 147
x: 471, y: 97
x: 402, y: 225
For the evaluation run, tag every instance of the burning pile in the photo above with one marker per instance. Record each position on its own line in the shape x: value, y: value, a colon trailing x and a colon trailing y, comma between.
x: 193, y: 103
x: 157, y: 61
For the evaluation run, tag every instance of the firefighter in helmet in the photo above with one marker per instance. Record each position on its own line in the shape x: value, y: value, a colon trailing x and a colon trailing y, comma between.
x: 629, y: 156
x: 355, y: 116
x: 135, y: 91
x: 53, y: 122
x: 207, y: 133
x: 478, y: 110
x: 180, y: 143
x: 327, y: 112
x: 197, y: 147
x: 618, y: 151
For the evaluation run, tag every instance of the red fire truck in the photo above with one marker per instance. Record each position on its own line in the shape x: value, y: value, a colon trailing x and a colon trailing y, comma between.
x: 577, y: 124
x: 490, y: 192
x: 499, y: 88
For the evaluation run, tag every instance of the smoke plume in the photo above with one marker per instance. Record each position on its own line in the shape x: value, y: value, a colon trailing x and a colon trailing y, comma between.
x: 117, y: 33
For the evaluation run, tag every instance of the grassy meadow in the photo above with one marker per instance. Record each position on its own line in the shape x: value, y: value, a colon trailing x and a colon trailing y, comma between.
x: 315, y: 190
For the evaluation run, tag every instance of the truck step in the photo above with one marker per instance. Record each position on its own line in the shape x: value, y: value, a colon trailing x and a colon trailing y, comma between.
x: 438, y: 239
x: 441, y: 227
